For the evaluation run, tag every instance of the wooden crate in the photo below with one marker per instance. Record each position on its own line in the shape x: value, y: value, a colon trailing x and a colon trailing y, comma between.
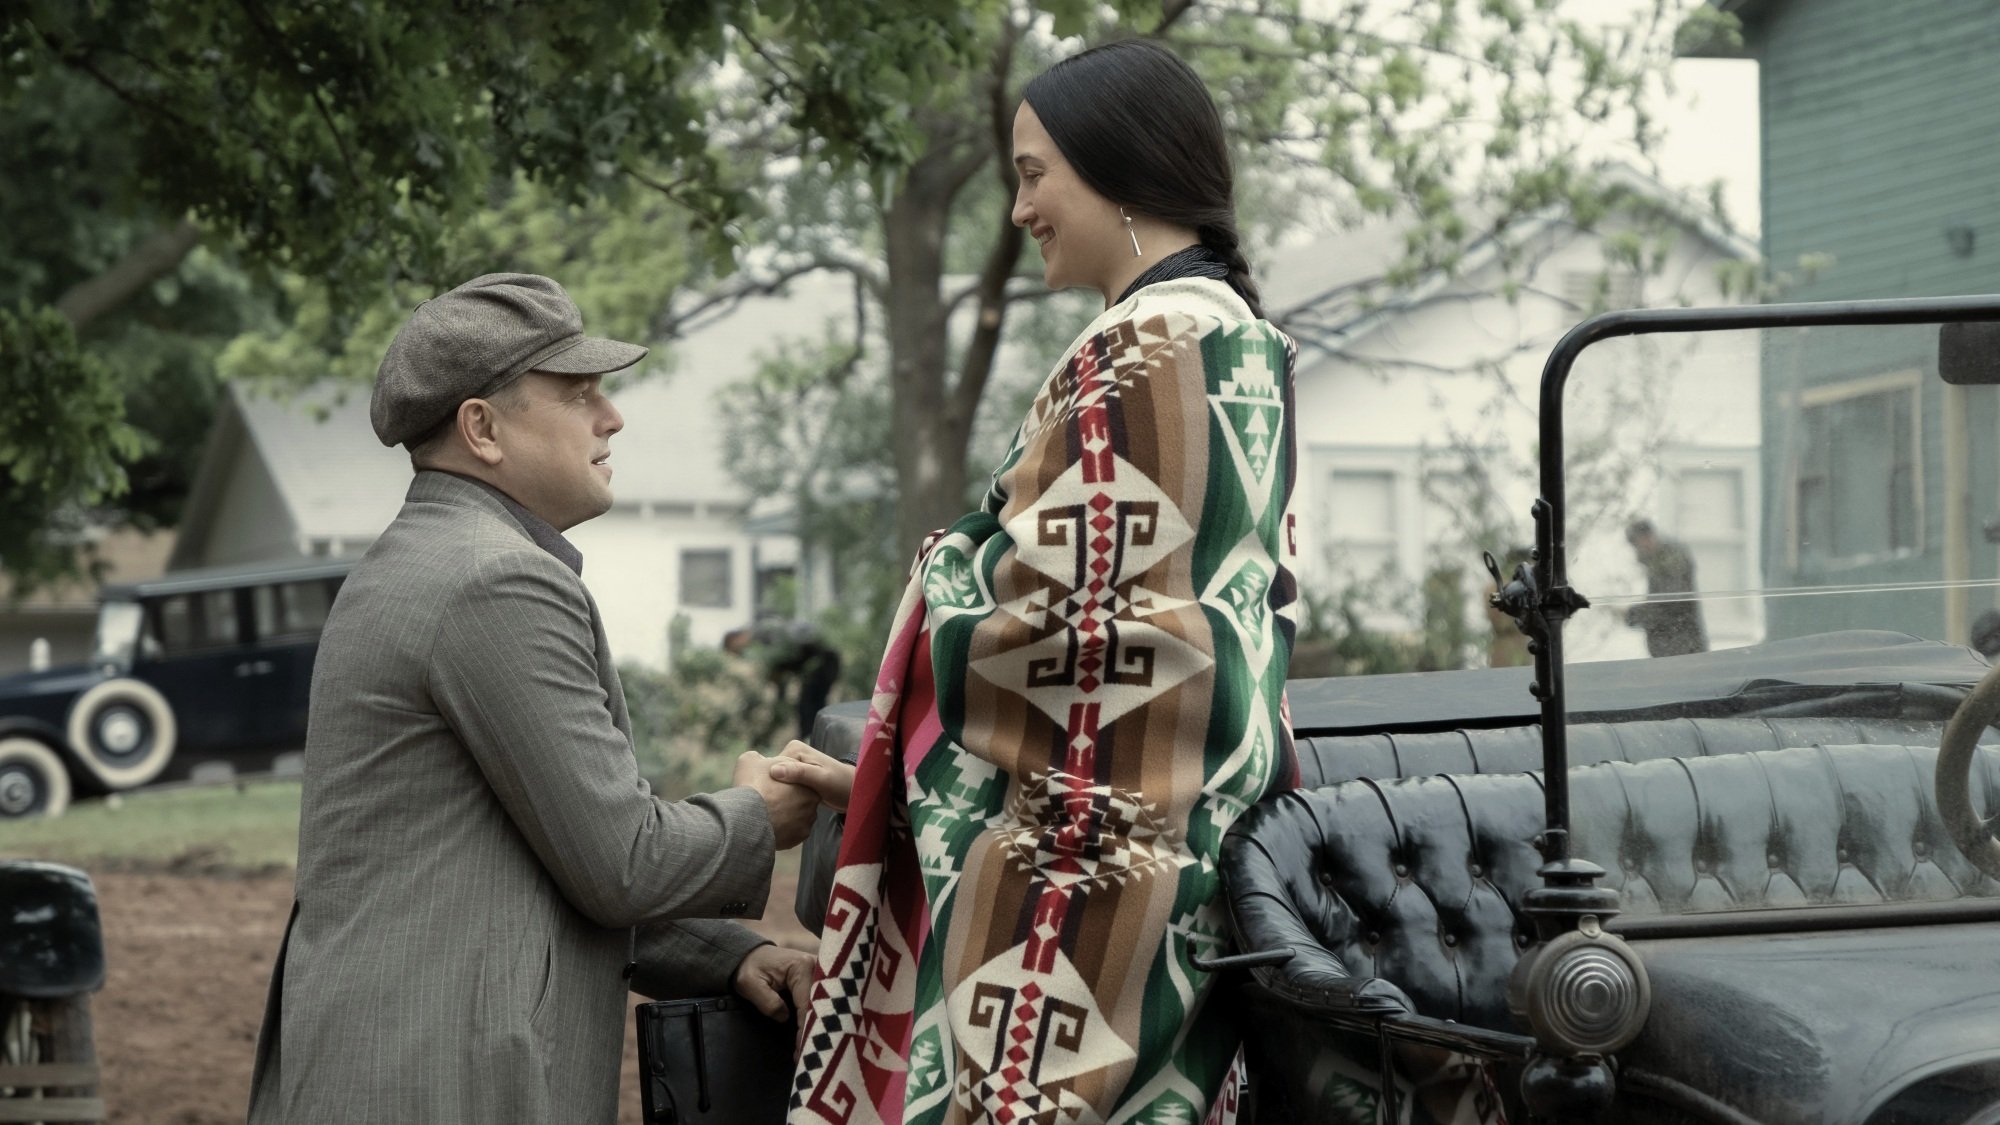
x: 64, y: 1088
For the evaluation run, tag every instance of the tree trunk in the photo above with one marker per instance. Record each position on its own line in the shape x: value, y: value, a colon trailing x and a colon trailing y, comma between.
x: 931, y: 430
x: 159, y: 254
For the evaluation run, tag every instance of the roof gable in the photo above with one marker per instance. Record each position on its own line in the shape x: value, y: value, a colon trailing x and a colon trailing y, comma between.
x: 1332, y: 291
x: 339, y: 482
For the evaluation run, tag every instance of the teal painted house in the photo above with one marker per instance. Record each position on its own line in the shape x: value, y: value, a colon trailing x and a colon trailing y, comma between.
x: 1881, y: 178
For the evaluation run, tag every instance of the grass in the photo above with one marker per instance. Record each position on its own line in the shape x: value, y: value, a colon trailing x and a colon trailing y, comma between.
x: 206, y: 830
x: 218, y: 829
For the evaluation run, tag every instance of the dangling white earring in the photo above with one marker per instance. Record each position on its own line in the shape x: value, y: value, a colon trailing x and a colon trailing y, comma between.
x: 1136, y: 252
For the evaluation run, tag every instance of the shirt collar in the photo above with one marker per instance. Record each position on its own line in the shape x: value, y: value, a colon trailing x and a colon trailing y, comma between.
x: 540, y: 530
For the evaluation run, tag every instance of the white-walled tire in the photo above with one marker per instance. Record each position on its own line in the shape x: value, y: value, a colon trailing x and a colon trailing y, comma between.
x: 33, y: 781
x: 122, y: 731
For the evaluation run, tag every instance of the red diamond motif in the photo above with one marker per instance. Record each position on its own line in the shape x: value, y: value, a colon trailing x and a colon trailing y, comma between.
x: 1096, y: 586
x: 1100, y: 544
x: 1101, y: 523
x: 1088, y: 683
x: 1100, y: 502
x: 1090, y: 663
x: 1099, y: 566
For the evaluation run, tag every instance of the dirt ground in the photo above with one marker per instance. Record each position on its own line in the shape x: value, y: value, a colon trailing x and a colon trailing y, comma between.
x: 188, y: 960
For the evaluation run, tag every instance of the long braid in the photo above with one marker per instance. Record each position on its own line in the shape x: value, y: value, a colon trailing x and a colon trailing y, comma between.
x: 1222, y: 238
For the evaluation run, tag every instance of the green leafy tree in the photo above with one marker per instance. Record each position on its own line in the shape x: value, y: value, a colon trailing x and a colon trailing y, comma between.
x: 1462, y: 119
x: 355, y: 144
x: 1457, y: 121
x: 135, y: 372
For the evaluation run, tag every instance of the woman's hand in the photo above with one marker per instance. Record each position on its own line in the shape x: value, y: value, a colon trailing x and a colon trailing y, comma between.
x: 827, y: 776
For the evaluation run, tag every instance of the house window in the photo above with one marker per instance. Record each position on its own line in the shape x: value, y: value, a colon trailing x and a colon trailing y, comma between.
x: 705, y: 579
x: 1360, y: 522
x: 1858, y: 493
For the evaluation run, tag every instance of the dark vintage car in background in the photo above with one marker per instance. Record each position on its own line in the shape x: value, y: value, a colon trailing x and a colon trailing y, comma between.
x: 1746, y: 886
x: 210, y: 665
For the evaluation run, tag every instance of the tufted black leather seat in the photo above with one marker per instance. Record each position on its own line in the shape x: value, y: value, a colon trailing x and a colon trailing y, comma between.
x: 1418, y: 880
x: 1328, y: 759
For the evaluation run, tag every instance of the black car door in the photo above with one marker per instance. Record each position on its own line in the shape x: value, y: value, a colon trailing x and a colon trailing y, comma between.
x: 288, y: 617
x: 202, y: 666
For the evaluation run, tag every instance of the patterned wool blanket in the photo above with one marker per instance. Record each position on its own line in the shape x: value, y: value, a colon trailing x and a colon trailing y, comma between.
x: 1083, y: 689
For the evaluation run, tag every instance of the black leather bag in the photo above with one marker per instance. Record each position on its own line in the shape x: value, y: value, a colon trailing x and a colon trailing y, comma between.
x: 713, y: 1060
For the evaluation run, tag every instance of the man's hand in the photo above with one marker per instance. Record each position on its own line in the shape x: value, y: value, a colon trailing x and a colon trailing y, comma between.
x: 791, y: 807
x: 824, y: 774
x: 771, y: 972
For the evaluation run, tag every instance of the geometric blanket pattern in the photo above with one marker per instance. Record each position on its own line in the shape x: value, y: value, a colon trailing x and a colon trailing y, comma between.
x: 1083, y: 689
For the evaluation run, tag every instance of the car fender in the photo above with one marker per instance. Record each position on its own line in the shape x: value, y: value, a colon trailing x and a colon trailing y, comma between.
x: 1976, y: 1071
x: 18, y: 725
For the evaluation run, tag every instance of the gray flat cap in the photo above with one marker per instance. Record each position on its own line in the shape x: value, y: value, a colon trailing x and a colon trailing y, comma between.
x: 476, y: 339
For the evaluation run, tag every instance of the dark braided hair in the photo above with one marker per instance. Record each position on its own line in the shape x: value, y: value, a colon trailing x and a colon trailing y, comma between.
x: 1138, y: 125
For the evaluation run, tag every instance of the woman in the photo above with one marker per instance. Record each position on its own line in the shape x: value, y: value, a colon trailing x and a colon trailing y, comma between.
x: 1083, y: 687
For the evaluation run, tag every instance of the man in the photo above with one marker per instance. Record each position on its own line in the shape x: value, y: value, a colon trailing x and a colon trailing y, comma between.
x: 1672, y: 627
x: 479, y: 860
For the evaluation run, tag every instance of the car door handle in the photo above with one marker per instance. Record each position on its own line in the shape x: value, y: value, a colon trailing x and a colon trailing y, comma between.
x: 254, y: 668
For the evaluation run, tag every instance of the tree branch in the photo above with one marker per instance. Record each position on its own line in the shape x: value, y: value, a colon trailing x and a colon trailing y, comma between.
x: 157, y: 255
x: 1170, y: 13
x: 262, y: 22
x: 724, y: 301
x: 977, y: 367
x: 1019, y: 290
x: 1000, y: 119
x: 79, y: 60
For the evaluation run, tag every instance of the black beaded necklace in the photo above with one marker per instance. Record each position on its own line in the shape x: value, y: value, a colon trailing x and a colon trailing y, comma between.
x: 1195, y: 261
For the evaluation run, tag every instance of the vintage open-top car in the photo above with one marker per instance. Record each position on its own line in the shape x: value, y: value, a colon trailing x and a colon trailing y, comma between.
x: 1746, y: 884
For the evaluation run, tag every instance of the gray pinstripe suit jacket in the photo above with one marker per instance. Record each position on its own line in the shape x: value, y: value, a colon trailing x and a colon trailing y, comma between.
x: 476, y: 846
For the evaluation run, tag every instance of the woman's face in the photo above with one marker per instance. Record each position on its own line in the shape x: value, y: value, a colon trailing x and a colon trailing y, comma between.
x: 1081, y: 233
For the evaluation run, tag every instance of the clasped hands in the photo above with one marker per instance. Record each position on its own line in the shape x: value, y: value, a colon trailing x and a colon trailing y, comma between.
x: 794, y: 784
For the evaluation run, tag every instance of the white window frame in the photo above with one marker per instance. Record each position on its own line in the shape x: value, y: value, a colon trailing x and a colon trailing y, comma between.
x: 732, y: 563
x: 1411, y: 552
x: 1404, y: 469
x: 1677, y: 461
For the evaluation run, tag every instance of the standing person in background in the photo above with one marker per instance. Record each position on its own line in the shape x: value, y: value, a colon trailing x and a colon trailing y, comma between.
x: 1509, y: 646
x: 1673, y: 627
x: 481, y: 867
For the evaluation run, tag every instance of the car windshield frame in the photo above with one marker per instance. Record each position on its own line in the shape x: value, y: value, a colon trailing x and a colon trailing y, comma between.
x: 1539, y: 593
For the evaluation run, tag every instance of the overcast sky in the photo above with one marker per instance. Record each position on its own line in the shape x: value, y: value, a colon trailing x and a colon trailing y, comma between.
x: 1711, y: 133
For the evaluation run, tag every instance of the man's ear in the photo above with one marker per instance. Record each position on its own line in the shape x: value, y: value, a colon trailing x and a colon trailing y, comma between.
x: 479, y: 428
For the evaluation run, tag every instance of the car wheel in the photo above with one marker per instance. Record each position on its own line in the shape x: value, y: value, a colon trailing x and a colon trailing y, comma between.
x: 123, y: 732
x: 33, y: 781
